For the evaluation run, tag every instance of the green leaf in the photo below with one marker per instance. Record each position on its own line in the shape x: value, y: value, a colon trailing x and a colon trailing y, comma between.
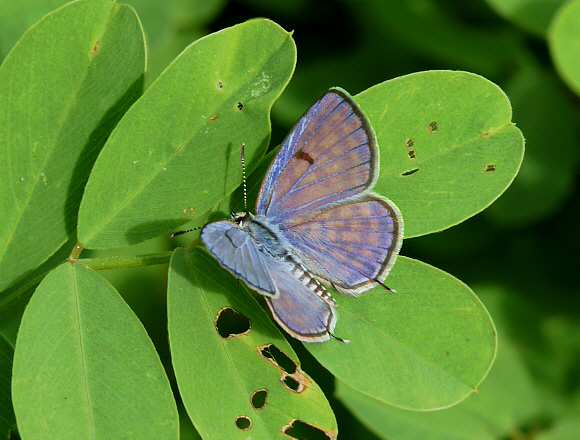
x: 549, y: 117
x: 448, y: 146
x: 531, y: 15
x: 427, y: 346
x: 218, y: 375
x: 16, y: 16
x: 84, y: 366
x: 177, y: 150
x: 506, y: 401
x: 7, y: 418
x: 62, y: 89
x: 564, y: 43
x: 565, y: 429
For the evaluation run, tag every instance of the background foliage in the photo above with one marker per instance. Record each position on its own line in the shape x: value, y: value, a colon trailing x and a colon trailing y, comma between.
x: 518, y: 255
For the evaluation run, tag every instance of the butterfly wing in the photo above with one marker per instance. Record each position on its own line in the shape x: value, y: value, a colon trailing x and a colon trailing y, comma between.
x: 330, y: 154
x: 237, y: 251
x: 302, y: 306
x: 350, y: 245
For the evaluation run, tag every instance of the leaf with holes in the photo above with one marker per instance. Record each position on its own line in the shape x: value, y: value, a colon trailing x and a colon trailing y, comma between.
x: 7, y: 418
x: 175, y: 154
x: 564, y: 40
x: 429, y: 345
x: 448, y: 146
x: 63, y: 88
x: 236, y: 373
x: 84, y: 366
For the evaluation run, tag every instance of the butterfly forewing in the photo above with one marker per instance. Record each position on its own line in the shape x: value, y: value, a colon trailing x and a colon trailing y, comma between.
x: 238, y: 252
x: 330, y: 155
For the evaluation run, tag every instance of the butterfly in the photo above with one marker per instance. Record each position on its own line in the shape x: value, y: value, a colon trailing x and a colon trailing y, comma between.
x: 316, y: 221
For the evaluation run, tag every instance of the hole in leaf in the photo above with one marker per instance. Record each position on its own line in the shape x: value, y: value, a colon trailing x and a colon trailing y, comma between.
x: 412, y: 153
x: 409, y: 172
x: 220, y: 84
x: 189, y: 211
x: 239, y: 105
x: 409, y: 142
x: 214, y: 117
x: 490, y: 167
x: 300, y: 430
x: 259, y: 398
x: 270, y: 351
x: 433, y: 126
x: 243, y: 422
x: 230, y: 322
x: 293, y: 384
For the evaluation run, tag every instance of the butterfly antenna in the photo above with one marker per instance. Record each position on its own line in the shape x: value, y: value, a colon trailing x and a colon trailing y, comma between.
x: 244, y: 176
x: 184, y: 232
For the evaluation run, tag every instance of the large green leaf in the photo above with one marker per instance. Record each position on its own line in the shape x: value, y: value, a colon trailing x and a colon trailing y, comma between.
x: 506, y: 401
x: 84, y: 366
x: 177, y: 150
x: 427, y: 346
x: 448, y: 146
x: 218, y: 375
x: 564, y: 39
x: 7, y: 418
x: 63, y: 87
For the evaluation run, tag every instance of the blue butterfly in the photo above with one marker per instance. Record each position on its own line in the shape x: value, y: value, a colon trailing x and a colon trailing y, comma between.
x: 316, y: 220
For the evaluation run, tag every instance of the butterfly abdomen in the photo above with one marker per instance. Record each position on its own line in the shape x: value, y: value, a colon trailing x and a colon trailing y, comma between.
x: 308, y: 280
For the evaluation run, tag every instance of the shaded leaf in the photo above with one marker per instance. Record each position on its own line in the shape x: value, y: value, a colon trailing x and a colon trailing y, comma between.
x: 177, y: 150
x: 427, y: 346
x: 62, y: 89
x: 506, y: 401
x: 224, y: 363
x: 7, y: 418
x: 84, y: 366
x: 531, y: 15
x: 564, y: 43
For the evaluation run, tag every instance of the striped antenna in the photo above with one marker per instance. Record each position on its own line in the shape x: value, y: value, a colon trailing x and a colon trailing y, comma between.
x: 244, y: 175
x: 184, y: 232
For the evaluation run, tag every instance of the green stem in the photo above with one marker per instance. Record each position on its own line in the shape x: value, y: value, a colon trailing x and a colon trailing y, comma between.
x: 24, y: 292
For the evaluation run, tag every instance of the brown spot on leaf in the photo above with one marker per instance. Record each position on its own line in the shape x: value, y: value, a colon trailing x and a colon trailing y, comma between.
x: 96, y: 46
x: 214, y: 117
x: 189, y: 211
x: 490, y: 167
x: 409, y: 172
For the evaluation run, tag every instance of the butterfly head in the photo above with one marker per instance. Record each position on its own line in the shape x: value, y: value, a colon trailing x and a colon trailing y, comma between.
x: 241, y: 218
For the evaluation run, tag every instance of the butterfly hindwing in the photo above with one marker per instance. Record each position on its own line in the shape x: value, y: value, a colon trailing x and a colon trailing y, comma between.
x: 350, y: 244
x: 330, y: 154
x: 238, y: 252
x: 302, y: 306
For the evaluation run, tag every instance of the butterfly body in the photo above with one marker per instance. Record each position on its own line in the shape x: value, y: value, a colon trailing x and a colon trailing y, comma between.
x: 316, y: 219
